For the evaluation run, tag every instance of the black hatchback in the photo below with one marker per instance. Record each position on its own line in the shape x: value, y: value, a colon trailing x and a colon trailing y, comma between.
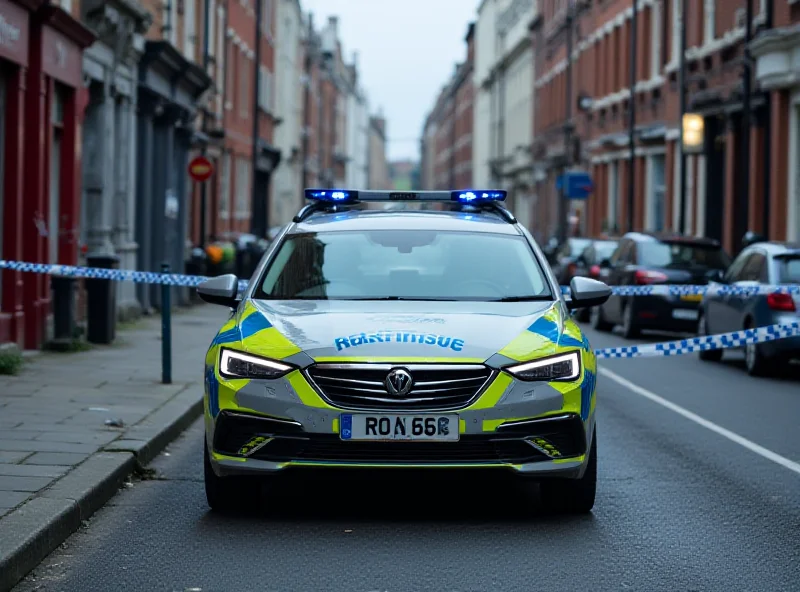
x: 643, y: 259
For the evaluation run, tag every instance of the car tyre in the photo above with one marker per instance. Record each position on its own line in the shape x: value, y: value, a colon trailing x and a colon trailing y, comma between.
x: 630, y: 330
x: 708, y: 355
x: 756, y: 363
x: 227, y: 494
x: 573, y: 496
x: 598, y: 321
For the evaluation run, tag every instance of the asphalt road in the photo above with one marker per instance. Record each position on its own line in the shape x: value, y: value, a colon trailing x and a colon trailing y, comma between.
x: 699, y: 489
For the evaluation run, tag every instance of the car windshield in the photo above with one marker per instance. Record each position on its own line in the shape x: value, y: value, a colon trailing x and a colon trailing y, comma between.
x: 789, y: 269
x: 682, y: 255
x: 604, y: 249
x: 404, y: 265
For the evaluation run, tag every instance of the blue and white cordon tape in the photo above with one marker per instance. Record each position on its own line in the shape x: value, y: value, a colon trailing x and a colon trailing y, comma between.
x: 703, y: 343
x: 672, y: 348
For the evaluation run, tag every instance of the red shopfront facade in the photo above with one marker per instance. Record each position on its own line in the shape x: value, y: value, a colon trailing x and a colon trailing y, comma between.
x: 41, y: 209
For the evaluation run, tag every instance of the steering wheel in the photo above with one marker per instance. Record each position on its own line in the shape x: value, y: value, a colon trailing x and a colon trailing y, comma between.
x: 481, y: 283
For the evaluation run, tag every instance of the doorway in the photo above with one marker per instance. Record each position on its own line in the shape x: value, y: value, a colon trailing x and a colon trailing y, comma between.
x: 54, y: 205
x: 715, y: 177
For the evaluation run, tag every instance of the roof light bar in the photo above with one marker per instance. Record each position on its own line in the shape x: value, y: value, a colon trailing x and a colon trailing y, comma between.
x: 349, y: 196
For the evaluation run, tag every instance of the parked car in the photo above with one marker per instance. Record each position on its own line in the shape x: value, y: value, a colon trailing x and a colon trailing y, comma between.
x: 588, y: 265
x: 643, y: 259
x: 566, y: 257
x: 761, y: 263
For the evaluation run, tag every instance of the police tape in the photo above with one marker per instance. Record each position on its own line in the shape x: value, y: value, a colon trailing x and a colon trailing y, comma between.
x: 673, y: 348
x: 731, y: 340
x: 120, y: 275
x: 192, y: 281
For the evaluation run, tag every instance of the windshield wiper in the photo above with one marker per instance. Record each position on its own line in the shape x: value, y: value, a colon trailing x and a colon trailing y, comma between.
x: 397, y: 298
x: 539, y: 298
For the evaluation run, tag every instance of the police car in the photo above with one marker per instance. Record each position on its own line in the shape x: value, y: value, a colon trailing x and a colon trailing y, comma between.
x: 393, y: 339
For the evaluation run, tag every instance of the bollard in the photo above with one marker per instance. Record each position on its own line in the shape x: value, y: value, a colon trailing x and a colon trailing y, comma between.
x: 166, y: 330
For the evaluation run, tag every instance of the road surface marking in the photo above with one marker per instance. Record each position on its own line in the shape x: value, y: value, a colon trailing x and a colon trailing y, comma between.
x: 733, y: 437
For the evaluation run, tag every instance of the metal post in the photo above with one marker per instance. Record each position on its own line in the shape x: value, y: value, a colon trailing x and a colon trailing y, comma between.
x: 204, y: 124
x: 747, y: 113
x: 632, y: 121
x: 166, y: 330
x: 256, y: 210
x: 563, y: 210
x: 767, y: 156
x: 682, y: 108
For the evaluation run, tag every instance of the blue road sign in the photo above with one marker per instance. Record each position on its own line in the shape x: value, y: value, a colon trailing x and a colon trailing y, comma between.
x: 579, y: 184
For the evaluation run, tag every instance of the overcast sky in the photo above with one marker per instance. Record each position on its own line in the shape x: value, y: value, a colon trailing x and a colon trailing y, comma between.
x: 407, y: 50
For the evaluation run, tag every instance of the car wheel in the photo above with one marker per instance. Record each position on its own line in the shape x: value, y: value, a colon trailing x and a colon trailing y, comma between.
x: 227, y: 494
x: 573, y: 496
x: 598, y: 321
x: 629, y: 328
x: 756, y: 363
x: 709, y: 355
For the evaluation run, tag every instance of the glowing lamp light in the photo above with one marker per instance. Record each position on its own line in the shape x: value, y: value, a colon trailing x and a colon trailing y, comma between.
x: 693, y: 132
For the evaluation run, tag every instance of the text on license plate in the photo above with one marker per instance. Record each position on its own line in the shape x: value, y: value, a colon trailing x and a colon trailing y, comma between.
x: 384, y: 426
x: 685, y: 315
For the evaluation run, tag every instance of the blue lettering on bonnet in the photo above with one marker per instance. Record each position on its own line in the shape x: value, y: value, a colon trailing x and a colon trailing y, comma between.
x: 357, y: 339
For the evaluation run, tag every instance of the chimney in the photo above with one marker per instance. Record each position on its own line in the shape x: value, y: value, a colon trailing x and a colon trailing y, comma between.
x: 330, y: 36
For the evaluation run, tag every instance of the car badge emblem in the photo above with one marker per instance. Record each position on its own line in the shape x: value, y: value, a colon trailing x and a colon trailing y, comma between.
x: 398, y: 382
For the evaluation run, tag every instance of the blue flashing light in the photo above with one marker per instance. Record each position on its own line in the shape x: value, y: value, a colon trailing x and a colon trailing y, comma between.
x: 475, y: 196
x: 332, y: 195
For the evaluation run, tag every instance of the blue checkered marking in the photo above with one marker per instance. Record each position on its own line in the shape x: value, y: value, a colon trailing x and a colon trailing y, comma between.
x: 346, y: 426
x: 176, y: 279
x: 587, y: 391
x: 212, y: 388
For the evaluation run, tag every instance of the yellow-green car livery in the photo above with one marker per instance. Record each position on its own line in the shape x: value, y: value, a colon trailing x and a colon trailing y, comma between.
x: 400, y: 339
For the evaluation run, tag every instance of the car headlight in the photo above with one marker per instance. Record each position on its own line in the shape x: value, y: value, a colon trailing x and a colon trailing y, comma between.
x: 236, y: 364
x: 561, y: 367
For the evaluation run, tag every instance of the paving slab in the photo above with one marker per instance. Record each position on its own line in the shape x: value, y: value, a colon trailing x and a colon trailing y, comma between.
x: 63, y: 462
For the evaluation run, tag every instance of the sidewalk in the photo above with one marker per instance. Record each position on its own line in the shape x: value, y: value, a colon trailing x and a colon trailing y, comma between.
x: 73, y: 426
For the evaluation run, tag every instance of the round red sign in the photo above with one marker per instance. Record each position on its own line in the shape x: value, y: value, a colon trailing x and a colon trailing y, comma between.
x: 200, y: 169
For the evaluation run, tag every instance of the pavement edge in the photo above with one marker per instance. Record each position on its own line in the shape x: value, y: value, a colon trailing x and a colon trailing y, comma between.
x: 44, y: 522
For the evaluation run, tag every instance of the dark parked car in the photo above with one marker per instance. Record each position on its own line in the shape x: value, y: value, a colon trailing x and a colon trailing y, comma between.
x: 588, y: 265
x: 566, y: 258
x: 643, y: 259
x: 762, y: 263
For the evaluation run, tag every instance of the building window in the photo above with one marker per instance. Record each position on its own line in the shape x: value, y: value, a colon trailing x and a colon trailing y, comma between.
x: 221, y: 59
x: 244, y: 85
x: 230, y: 76
x: 189, y: 22
x: 676, y: 31
x: 709, y: 21
x: 613, y: 197
x: 655, y: 39
x: 242, y: 188
x: 225, y: 187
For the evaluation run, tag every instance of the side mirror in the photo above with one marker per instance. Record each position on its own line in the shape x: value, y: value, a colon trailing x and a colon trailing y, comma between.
x: 586, y: 292
x: 220, y: 290
x: 716, y: 275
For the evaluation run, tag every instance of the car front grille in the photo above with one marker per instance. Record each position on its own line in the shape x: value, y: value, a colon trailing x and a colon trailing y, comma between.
x: 434, y: 386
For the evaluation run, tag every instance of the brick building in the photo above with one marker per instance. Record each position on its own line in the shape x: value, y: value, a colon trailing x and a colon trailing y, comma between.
x: 42, y: 102
x: 446, y: 148
x: 717, y: 204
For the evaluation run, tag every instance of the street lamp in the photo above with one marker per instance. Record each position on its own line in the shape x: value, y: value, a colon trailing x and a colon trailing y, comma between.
x: 693, y: 133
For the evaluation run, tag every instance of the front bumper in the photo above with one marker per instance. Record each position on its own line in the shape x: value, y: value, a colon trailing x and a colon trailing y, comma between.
x: 244, y: 443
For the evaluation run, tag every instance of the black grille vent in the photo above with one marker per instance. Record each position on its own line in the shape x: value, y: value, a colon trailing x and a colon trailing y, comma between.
x: 435, y: 386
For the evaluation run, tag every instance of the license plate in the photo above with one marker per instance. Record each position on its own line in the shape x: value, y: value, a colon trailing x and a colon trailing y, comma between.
x: 692, y: 297
x: 685, y: 315
x: 384, y: 426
